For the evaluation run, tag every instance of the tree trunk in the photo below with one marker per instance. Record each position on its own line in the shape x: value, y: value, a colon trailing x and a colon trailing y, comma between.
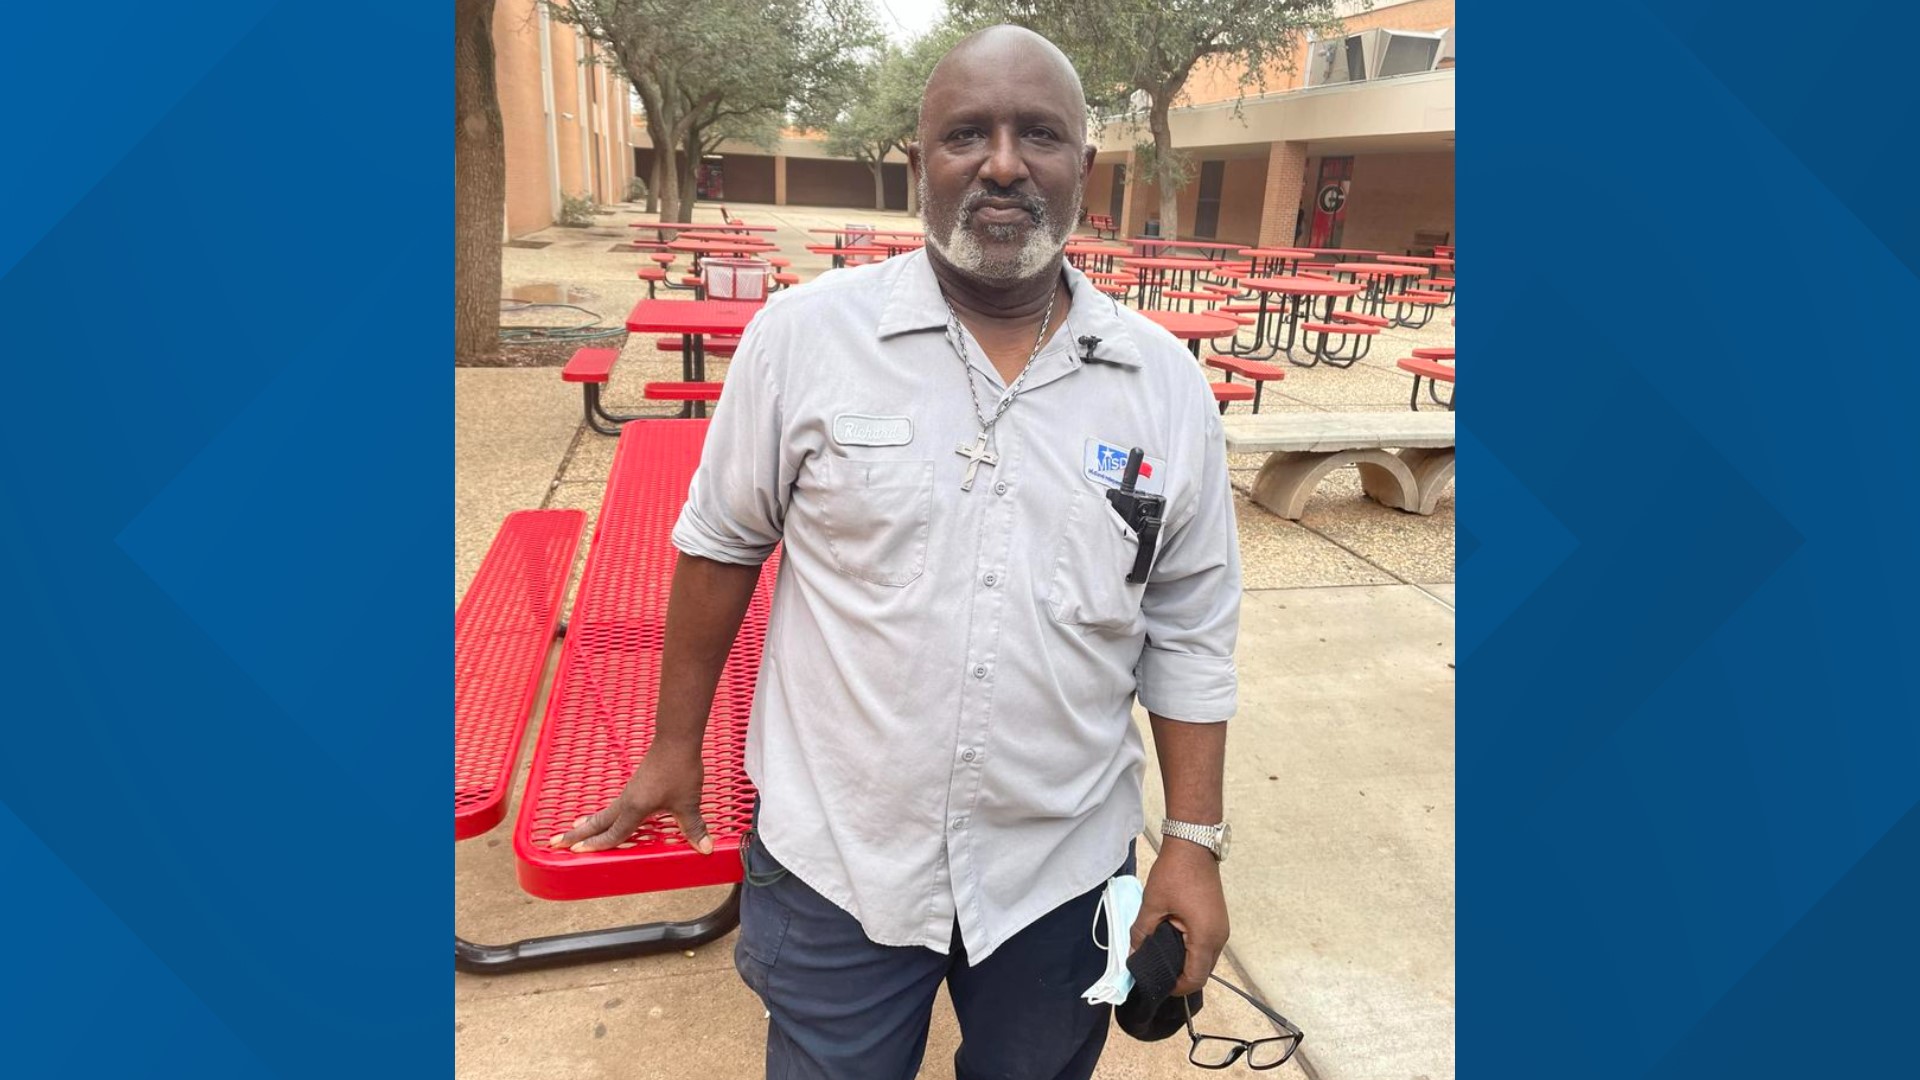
x: 479, y: 182
x: 653, y: 186
x: 666, y: 174
x: 1163, y: 166
x: 689, y: 170
x: 880, y: 185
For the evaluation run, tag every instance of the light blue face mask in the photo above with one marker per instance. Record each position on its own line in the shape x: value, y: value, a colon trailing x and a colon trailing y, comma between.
x: 1119, y: 907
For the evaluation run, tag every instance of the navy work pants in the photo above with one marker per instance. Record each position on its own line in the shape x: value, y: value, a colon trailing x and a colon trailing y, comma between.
x: 845, y: 1008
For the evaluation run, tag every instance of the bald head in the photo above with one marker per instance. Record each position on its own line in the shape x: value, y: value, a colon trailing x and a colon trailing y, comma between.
x: 1002, y: 159
x: 1016, y: 56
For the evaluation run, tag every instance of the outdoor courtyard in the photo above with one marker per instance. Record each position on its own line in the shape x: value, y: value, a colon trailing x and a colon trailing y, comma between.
x: 1340, y: 767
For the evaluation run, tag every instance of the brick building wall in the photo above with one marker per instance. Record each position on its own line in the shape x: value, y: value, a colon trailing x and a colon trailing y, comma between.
x: 1392, y: 197
x: 587, y: 149
x: 516, y: 46
x: 1216, y: 80
x: 1284, y: 189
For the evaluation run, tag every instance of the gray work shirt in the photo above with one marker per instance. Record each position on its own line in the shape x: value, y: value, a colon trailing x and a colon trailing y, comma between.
x: 942, y: 728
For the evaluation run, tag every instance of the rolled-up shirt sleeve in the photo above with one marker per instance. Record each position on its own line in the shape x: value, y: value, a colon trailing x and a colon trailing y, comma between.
x: 1192, y: 603
x: 737, y: 504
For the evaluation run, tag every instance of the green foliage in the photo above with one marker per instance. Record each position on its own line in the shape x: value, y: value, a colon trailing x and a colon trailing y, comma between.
x: 636, y: 189
x: 1123, y: 47
x: 1173, y: 174
x: 577, y: 210
x: 1120, y: 46
x: 705, y: 70
x: 878, y: 109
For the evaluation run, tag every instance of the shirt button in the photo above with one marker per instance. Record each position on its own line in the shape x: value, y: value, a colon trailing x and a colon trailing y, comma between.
x: 979, y: 671
x: 989, y: 580
x: 1000, y: 488
x: 959, y: 823
x: 968, y: 755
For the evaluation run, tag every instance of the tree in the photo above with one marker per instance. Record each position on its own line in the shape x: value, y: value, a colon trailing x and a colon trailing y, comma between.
x: 1150, y: 47
x: 879, y: 109
x: 693, y: 62
x: 479, y: 182
x: 876, y: 119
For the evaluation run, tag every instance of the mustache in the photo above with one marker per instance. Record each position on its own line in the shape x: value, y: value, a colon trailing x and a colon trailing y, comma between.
x: 1035, y: 205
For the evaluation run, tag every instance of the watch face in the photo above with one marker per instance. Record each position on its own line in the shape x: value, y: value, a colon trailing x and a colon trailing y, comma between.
x: 1226, y: 839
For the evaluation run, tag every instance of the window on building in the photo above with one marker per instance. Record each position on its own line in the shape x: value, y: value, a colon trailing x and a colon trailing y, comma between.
x: 1376, y: 54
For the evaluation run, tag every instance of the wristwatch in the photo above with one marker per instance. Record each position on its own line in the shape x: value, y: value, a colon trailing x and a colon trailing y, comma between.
x: 1214, y: 838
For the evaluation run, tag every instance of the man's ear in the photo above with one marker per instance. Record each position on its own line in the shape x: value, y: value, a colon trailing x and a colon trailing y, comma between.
x: 1086, y: 167
x: 913, y: 162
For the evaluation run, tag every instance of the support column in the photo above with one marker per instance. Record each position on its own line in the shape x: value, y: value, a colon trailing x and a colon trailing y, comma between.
x: 1286, y: 176
x: 1125, y: 224
x: 779, y: 179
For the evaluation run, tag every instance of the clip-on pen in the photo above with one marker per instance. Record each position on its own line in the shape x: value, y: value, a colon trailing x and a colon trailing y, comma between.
x: 1141, y: 512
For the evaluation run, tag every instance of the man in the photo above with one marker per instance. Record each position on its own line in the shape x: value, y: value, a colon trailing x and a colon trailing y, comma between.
x: 942, y: 736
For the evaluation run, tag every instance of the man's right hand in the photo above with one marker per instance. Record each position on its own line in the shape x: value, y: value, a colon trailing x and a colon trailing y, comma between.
x: 659, y: 784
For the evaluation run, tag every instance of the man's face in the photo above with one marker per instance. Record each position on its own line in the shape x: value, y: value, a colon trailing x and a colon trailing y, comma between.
x: 1002, y: 162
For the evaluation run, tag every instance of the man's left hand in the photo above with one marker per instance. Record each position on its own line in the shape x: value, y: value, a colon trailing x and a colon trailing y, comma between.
x: 1184, y: 885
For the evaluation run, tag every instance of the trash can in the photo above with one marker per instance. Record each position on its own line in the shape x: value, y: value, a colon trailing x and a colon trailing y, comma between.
x: 1152, y: 227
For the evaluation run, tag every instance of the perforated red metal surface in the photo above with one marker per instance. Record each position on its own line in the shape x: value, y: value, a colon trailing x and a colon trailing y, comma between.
x: 599, y: 717
x: 501, y: 633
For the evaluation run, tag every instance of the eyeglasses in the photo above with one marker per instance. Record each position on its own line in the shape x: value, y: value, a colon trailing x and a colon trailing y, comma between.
x: 1220, y: 1051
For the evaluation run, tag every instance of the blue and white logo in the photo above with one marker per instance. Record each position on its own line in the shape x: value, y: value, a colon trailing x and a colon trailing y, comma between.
x: 1106, y: 465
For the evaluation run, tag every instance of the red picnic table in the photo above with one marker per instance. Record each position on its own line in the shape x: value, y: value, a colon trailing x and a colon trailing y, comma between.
x: 599, y: 724
x: 709, y: 226
x: 1192, y: 327
x: 1298, y: 290
x: 1341, y: 252
x: 1377, y: 275
x: 1272, y: 261
x: 694, y: 321
x: 1212, y: 249
x: 1149, y: 290
x: 744, y: 246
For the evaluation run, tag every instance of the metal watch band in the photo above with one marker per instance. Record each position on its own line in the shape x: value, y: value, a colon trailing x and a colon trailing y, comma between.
x: 1207, y: 836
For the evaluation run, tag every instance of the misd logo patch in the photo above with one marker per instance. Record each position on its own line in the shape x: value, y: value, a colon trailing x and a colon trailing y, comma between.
x: 1105, y: 464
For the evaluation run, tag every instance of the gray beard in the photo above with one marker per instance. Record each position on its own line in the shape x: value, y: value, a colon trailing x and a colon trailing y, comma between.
x: 960, y: 245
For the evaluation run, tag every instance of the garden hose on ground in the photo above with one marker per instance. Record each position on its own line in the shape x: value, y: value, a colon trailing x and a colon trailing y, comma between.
x: 539, y: 335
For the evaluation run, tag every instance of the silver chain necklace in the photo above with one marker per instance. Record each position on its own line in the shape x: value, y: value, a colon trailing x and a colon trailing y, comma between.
x: 977, y: 453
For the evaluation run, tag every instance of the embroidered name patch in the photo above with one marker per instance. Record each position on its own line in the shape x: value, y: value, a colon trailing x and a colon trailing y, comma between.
x: 1106, y: 463
x: 854, y: 429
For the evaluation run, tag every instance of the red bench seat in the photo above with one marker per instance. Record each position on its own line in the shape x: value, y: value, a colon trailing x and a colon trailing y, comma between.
x: 682, y: 391
x: 590, y: 365
x: 1254, y: 371
x: 501, y: 633
x: 716, y: 345
x: 1224, y: 392
x: 1361, y: 318
x: 1421, y: 368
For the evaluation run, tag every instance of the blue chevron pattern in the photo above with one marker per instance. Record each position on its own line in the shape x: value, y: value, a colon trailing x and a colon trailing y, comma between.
x: 222, y: 489
x: 1688, y: 762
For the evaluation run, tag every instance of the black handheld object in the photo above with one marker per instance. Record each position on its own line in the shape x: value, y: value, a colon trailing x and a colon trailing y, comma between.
x: 1151, y: 1012
x: 1141, y: 512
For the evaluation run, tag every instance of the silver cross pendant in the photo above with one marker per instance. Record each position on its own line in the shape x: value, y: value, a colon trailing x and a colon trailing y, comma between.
x: 976, y: 455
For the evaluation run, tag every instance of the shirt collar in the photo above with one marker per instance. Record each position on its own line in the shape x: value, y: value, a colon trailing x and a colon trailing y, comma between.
x: 915, y: 303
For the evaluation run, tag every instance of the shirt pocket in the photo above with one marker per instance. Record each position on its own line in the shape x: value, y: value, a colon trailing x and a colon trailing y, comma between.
x: 1092, y: 558
x: 876, y: 516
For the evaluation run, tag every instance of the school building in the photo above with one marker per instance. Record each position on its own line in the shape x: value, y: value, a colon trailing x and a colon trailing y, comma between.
x: 1353, y: 148
x: 566, y: 117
